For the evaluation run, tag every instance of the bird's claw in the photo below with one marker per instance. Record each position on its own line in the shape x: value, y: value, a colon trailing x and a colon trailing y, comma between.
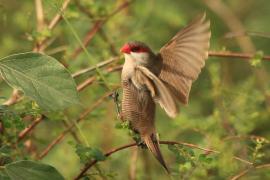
x: 141, y: 144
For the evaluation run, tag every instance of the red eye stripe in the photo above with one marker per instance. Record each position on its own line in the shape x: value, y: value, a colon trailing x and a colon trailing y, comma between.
x: 139, y: 49
x: 127, y: 48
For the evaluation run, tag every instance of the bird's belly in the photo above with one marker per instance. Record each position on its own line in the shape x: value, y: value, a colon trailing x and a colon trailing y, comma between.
x: 138, y: 108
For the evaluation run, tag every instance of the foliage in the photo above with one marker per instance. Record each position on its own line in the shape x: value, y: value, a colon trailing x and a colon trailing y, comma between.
x: 40, y: 77
x: 88, y: 153
x: 32, y: 171
x: 48, y: 125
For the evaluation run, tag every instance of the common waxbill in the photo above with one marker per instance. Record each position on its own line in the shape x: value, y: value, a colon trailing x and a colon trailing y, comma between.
x: 164, y: 78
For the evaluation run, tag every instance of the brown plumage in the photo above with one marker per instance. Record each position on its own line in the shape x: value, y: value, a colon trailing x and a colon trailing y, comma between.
x: 163, y: 78
x: 184, y: 56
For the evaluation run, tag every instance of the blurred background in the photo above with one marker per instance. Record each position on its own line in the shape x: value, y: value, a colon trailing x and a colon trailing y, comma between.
x: 229, y: 107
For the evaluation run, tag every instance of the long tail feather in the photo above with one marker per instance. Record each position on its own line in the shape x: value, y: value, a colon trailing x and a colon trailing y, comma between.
x: 153, y: 146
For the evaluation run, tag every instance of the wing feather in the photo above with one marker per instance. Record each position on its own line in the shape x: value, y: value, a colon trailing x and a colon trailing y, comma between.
x: 158, y: 90
x: 184, y: 56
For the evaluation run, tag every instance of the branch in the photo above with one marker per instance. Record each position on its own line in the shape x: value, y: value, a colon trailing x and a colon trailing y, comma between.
x: 86, y: 83
x: 228, y: 54
x: 39, y: 15
x: 92, y: 163
x: 246, y: 171
x: 92, y: 79
x: 27, y: 130
x: 96, y: 28
x: 83, y: 115
x: 58, y: 17
x: 13, y: 99
x: 101, y: 32
x: 99, y: 65
x: 73, y: 133
x: 55, y: 20
x: 110, y: 152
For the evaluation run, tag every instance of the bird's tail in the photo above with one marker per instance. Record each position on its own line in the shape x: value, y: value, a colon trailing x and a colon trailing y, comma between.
x: 153, y: 146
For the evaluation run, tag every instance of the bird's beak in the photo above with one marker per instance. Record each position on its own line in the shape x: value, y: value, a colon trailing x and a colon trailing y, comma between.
x: 125, y: 49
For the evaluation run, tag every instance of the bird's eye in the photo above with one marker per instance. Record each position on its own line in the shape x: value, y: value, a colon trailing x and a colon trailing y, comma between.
x: 135, y: 49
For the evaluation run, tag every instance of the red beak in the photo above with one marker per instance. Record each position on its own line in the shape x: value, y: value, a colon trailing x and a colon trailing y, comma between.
x: 125, y: 49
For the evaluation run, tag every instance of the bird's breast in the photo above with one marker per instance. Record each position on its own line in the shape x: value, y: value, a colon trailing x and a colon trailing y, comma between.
x: 128, y: 68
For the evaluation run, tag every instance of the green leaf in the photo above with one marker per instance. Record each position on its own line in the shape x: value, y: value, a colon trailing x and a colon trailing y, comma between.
x: 256, y: 61
x: 30, y: 170
x: 173, y: 148
x: 185, y: 166
x: 86, y: 178
x: 3, y: 176
x: 180, y: 159
x: 40, y: 77
x: 204, y: 159
x: 5, y: 150
x: 88, y: 153
x: 97, y: 154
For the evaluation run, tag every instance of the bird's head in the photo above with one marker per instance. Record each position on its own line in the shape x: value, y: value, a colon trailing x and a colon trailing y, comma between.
x: 136, y: 51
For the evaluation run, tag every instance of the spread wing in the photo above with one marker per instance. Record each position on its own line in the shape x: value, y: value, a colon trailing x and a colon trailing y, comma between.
x: 184, y: 56
x: 158, y: 90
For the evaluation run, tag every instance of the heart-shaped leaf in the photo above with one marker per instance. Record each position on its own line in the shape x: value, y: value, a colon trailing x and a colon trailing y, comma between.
x: 40, y: 77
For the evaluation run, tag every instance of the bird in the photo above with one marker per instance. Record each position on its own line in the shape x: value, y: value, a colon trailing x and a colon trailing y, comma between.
x: 163, y: 78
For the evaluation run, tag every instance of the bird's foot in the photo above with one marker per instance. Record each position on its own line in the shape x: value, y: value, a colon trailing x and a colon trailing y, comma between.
x: 141, y: 144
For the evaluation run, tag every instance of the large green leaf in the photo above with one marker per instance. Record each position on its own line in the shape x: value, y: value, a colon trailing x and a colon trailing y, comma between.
x: 30, y: 170
x: 40, y: 77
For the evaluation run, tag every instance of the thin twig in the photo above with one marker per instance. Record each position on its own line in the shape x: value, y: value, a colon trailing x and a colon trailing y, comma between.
x: 228, y: 54
x: 39, y: 15
x: 55, y: 20
x: 246, y: 171
x: 71, y: 126
x: 97, y: 26
x: 92, y: 79
x: 246, y: 33
x: 110, y: 152
x: 13, y: 99
x: 27, y: 130
x: 101, y: 32
x: 56, y: 50
x: 86, y: 83
x: 99, y: 65
x: 88, y: 166
x: 189, y: 145
x: 73, y: 133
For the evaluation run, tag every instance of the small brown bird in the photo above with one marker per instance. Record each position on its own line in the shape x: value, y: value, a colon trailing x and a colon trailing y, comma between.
x: 164, y: 78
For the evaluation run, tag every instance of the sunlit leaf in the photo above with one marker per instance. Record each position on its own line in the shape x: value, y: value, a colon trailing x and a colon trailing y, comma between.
x: 40, y: 77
